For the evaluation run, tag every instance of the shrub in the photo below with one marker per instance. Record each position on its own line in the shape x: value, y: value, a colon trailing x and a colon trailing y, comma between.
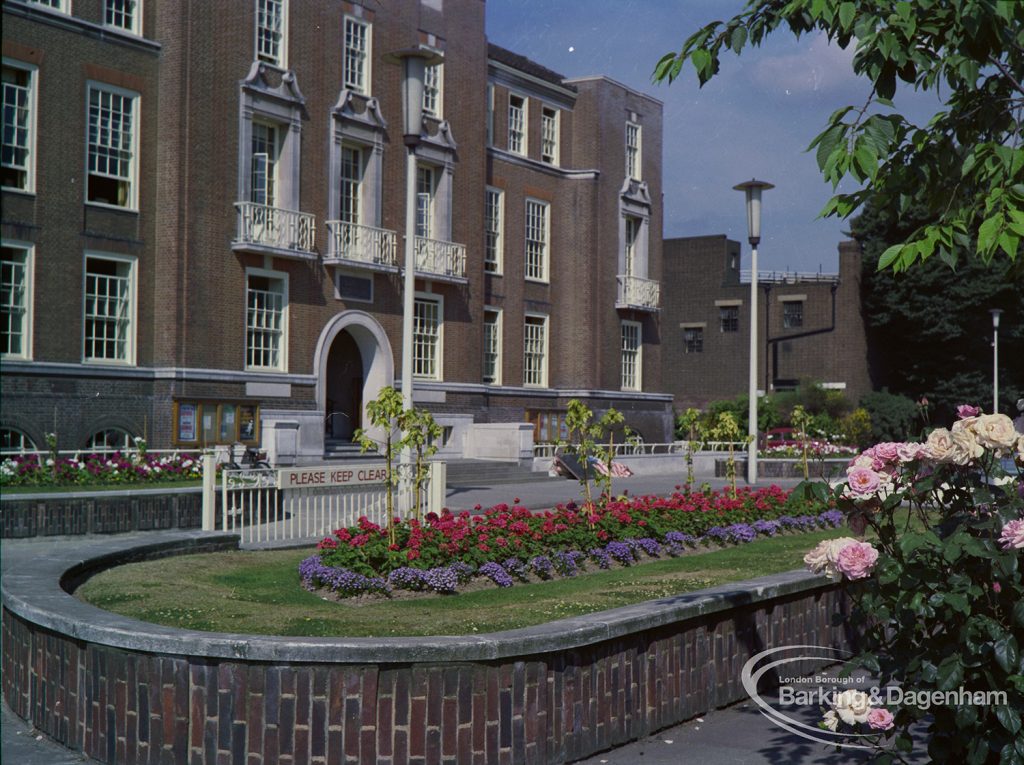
x: 892, y: 415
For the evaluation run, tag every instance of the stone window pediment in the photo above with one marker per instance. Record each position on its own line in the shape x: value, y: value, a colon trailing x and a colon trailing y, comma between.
x: 635, y: 192
x: 259, y: 84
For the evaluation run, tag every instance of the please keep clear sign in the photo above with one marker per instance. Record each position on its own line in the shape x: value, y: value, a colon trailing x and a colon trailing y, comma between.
x: 318, y: 477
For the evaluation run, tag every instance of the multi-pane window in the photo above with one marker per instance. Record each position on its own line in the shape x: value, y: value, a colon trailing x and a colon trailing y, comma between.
x: 57, y: 5
x: 265, y: 322
x: 632, y: 150
x: 729, y: 318
x: 18, y: 103
x: 537, y: 240
x: 123, y: 14
x: 426, y: 339
x: 110, y: 440
x: 271, y: 18
x: 109, y: 296
x: 631, y: 359
x: 535, y: 351
x: 356, y: 56
x: 432, y: 82
x: 632, y: 238
x: 693, y: 339
x: 492, y: 347
x: 517, y: 124
x: 13, y: 441
x: 265, y: 155
x: 351, y: 183
x: 549, y: 136
x: 111, y: 146
x: 493, y: 225
x: 792, y: 314
x: 424, y: 201
x: 15, y: 302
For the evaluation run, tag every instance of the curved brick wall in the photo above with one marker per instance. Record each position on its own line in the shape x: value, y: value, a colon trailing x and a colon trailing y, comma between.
x: 129, y: 692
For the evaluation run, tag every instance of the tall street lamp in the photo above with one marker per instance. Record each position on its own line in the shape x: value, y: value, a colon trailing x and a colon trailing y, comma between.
x: 995, y: 358
x: 415, y: 61
x: 752, y: 189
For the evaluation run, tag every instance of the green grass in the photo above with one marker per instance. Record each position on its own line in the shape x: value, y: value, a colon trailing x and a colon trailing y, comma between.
x: 80, y: 487
x: 259, y: 593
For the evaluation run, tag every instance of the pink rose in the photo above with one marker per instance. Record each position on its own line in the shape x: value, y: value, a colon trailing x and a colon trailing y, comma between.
x: 997, y: 588
x: 1012, y: 536
x: 863, y: 482
x: 856, y: 560
x: 887, y: 451
x: 966, y: 410
x: 911, y: 452
x: 880, y: 719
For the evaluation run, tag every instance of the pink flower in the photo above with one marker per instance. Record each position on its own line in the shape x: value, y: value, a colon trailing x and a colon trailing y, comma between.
x: 880, y: 719
x: 863, y: 482
x: 997, y: 588
x: 966, y: 410
x: 1012, y: 536
x: 856, y: 560
x: 888, y: 451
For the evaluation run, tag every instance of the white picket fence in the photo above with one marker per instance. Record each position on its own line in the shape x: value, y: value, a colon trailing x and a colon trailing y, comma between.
x: 274, y: 505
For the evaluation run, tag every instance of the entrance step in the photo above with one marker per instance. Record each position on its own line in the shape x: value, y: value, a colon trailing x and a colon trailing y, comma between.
x: 489, y: 473
x: 336, y: 449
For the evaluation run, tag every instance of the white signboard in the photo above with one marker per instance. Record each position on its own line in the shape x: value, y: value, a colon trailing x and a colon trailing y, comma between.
x: 327, y: 475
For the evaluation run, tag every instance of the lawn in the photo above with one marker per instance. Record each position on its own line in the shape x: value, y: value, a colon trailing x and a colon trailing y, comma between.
x: 259, y: 592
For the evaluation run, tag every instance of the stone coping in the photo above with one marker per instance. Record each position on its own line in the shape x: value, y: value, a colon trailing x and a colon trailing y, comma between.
x: 36, y: 574
x: 98, y: 493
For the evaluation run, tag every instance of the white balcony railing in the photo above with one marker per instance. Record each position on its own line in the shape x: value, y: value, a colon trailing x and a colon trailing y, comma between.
x: 434, y: 256
x: 265, y: 226
x: 351, y: 242
x: 635, y: 292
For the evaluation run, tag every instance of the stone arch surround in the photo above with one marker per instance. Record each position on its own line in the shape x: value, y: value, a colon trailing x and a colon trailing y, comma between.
x: 125, y: 691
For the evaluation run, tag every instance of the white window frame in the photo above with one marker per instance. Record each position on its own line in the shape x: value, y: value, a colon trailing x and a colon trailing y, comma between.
x: 632, y: 356
x: 61, y: 6
x: 634, y: 150
x: 494, y: 348
x: 631, y: 254
x: 110, y: 7
x: 438, y: 372
x: 494, y: 231
x: 133, y: 306
x: 281, y: 59
x: 28, y: 250
x: 26, y: 444
x: 425, y: 201
x: 362, y: 83
x: 33, y: 101
x: 351, y: 182
x: 531, y: 273
x: 545, y: 353
x: 521, y: 144
x: 550, y: 119
x: 367, y: 277
x: 132, y: 178
x: 433, y: 91
x: 282, y: 277
x: 271, y: 164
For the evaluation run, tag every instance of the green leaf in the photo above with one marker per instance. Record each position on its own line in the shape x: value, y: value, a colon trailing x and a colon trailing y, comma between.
x: 950, y: 673
x: 847, y: 12
x: 987, y: 233
x: 701, y: 60
x: 738, y: 39
x: 1008, y: 718
x: 1005, y: 651
x: 889, y: 256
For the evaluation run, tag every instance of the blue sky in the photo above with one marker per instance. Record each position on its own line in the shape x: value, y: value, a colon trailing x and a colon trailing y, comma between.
x: 754, y: 119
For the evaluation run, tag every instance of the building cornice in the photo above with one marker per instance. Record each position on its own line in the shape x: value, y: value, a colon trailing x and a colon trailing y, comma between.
x: 71, y: 23
x: 616, y: 83
x: 190, y: 374
x: 554, y: 393
x: 544, y: 167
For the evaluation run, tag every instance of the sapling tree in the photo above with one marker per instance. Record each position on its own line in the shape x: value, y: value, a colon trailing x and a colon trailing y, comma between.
x: 606, y: 425
x: 421, y: 435
x: 726, y: 428
x: 689, y: 422
x: 582, y: 432
x: 801, y: 420
x: 384, y: 412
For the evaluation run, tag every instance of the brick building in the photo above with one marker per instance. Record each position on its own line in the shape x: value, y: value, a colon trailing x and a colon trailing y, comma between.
x: 205, y: 249
x: 810, y: 325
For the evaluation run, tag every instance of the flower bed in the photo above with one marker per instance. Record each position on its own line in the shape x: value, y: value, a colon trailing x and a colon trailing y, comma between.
x: 815, y: 450
x: 505, y: 544
x: 92, y: 469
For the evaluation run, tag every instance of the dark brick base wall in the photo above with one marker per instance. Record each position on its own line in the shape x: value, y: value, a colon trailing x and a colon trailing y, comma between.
x: 131, y: 707
x: 20, y: 518
x: 785, y: 469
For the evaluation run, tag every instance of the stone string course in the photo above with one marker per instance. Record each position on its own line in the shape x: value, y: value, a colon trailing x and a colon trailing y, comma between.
x: 120, y: 705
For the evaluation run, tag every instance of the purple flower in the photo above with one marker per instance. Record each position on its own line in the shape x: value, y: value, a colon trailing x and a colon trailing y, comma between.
x: 567, y: 563
x: 678, y: 541
x: 496, y: 574
x: 444, y: 579
x: 739, y: 533
x: 645, y: 545
x: 516, y: 568
x: 621, y: 551
x: 768, y: 528
x: 601, y: 557
x: 406, y: 578
x: 830, y: 518
x: 542, y: 566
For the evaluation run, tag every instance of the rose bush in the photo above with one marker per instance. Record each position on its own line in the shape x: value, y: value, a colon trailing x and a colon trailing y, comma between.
x: 941, y: 608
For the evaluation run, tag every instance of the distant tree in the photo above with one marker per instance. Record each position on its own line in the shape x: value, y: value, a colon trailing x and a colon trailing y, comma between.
x: 964, y: 170
x: 930, y: 332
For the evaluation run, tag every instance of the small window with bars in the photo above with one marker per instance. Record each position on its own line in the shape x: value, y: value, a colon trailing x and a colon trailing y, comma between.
x: 426, y: 339
x: 536, y: 266
x: 492, y: 347
x: 792, y: 314
x: 109, y: 293
x: 111, y: 166
x: 356, y: 56
x: 631, y: 360
x: 535, y: 351
x: 693, y: 340
x: 729, y: 318
x: 493, y: 226
x: 265, y: 327
x: 549, y: 136
x: 517, y: 124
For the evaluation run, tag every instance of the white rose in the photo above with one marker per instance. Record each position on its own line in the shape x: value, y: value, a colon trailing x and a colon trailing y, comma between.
x: 852, y: 706
x: 830, y: 720
x: 995, y: 431
x: 939, y: 444
x: 966, y: 448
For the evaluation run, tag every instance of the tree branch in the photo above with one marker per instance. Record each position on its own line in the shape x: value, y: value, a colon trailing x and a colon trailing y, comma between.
x: 1006, y: 73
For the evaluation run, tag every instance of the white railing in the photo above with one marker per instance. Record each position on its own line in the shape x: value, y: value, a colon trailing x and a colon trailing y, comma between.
x: 644, y: 448
x: 361, y: 244
x: 254, y: 506
x: 789, y: 277
x: 434, y: 256
x: 635, y: 292
x: 275, y: 227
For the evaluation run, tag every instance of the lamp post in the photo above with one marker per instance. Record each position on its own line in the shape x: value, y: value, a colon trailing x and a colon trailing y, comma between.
x: 752, y: 189
x: 415, y: 61
x: 995, y: 358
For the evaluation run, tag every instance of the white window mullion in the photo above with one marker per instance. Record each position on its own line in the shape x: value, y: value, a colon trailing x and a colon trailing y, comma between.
x: 16, y: 301
x: 356, y: 56
x: 19, y: 104
x: 426, y: 338
x: 271, y: 31
x: 492, y: 346
x: 494, y: 223
x: 537, y: 236
x: 535, y: 351
x: 632, y: 359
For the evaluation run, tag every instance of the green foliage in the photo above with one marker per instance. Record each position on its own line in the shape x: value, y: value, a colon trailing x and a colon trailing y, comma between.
x: 909, y: 317
x: 892, y: 416
x: 856, y: 428
x: 421, y: 435
x: 726, y: 428
x: 801, y: 422
x: 965, y: 169
x: 690, y: 428
x: 579, y: 422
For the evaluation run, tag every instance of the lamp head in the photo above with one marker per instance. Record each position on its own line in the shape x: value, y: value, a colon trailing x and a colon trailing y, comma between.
x: 415, y: 60
x: 752, y: 189
x: 995, y: 316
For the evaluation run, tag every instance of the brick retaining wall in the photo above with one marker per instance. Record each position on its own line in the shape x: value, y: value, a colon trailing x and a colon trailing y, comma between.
x: 424, y: 701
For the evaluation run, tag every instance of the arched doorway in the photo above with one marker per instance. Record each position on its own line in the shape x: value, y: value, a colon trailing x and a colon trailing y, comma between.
x: 353, y: 362
x: 344, y: 388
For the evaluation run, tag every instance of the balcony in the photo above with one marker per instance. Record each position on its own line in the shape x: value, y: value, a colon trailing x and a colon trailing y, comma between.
x: 444, y: 261
x: 639, y: 294
x: 274, y: 231
x: 350, y: 244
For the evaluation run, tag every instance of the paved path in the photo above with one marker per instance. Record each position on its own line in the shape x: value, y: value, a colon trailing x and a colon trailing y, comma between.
x: 725, y: 737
